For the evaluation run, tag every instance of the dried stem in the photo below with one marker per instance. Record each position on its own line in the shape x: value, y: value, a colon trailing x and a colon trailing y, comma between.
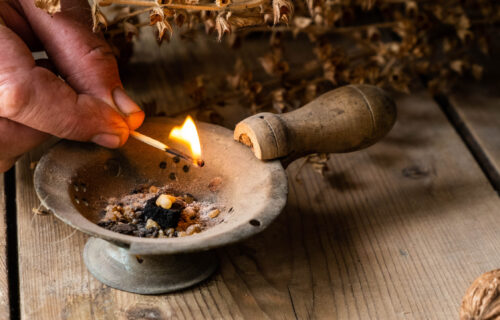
x: 321, y: 29
x: 197, y: 7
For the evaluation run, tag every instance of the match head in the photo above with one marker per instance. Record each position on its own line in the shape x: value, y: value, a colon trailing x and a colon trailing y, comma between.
x: 200, y: 163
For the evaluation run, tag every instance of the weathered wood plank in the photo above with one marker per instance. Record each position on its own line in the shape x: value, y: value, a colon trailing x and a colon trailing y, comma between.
x: 478, y: 106
x: 4, y: 284
x: 397, y: 231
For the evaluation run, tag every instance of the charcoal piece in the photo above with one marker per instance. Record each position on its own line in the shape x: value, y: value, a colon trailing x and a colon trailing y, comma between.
x: 105, y: 224
x: 166, y: 218
x: 124, y: 228
x: 141, y: 232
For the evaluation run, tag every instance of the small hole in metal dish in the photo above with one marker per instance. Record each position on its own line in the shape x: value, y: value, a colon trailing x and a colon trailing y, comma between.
x: 185, y: 168
x: 172, y: 176
x: 262, y: 117
x: 255, y: 223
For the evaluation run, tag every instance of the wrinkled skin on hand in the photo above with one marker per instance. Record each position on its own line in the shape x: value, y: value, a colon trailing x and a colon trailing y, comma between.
x: 35, y: 103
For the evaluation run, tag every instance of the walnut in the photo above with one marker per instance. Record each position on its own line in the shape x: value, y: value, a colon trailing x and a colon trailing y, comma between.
x: 482, y: 299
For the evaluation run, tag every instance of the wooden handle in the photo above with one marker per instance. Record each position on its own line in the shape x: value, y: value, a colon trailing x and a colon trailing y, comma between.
x: 342, y: 120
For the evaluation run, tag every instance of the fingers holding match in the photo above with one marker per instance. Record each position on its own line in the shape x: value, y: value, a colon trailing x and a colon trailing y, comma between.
x: 37, y: 98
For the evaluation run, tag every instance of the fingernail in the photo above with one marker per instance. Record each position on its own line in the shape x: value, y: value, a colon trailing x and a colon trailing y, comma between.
x: 135, y: 120
x: 107, y: 140
x: 124, y: 103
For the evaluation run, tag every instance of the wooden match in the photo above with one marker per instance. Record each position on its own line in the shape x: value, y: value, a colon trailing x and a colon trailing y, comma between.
x: 160, y: 145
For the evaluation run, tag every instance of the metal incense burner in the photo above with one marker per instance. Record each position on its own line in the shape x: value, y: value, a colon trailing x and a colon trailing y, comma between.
x: 74, y: 180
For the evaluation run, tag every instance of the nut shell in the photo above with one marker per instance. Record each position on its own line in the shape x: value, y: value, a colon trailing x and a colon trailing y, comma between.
x: 482, y: 299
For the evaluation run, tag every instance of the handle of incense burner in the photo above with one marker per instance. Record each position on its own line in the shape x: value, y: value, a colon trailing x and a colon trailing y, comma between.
x: 346, y: 119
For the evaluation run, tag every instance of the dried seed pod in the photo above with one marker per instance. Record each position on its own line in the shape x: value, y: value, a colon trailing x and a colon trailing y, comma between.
x: 282, y: 10
x: 180, y: 17
x: 209, y: 25
x: 482, y: 299
x: 465, y: 35
x: 302, y: 22
x: 168, y: 13
x: 268, y: 64
x: 49, y: 6
x: 477, y: 71
x: 157, y: 17
x: 222, y: 3
x: 411, y: 8
x: 457, y: 66
x: 279, y: 103
x: 130, y: 31
x: 366, y: 4
x: 373, y: 34
x: 268, y: 18
x: 98, y: 19
x: 221, y: 25
x: 311, y: 92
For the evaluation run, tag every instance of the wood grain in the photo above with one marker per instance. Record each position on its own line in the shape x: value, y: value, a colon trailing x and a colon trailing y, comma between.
x: 4, y: 284
x: 477, y: 105
x: 397, y: 231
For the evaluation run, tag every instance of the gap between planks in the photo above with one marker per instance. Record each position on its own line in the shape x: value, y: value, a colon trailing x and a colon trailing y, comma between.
x: 462, y: 126
x: 4, y: 282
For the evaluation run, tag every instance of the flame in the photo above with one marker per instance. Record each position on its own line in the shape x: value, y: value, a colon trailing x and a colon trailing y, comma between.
x: 188, y: 135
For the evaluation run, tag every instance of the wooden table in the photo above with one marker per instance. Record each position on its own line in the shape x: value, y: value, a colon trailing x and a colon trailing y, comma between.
x: 397, y: 231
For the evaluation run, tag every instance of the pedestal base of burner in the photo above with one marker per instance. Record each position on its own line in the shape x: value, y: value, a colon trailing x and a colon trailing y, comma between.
x: 152, y: 274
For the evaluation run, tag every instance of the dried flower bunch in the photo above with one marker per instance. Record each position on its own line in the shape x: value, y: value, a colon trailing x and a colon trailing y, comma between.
x: 397, y: 40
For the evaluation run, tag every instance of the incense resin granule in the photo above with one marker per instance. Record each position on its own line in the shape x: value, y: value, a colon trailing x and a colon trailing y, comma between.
x: 154, y: 212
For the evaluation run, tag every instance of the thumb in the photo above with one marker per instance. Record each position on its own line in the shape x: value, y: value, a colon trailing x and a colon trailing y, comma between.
x: 82, y: 57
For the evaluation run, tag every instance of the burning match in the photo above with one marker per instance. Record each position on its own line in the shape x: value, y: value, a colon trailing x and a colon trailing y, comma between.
x: 186, y: 134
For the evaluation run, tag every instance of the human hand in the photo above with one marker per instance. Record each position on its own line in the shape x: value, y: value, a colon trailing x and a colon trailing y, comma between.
x: 89, y: 105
